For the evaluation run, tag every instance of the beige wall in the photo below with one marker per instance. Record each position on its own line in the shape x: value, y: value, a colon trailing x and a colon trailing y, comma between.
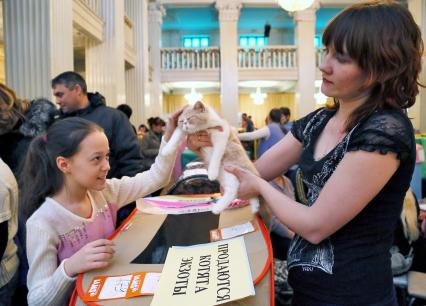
x: 2, y: 69
x: 245, y: 105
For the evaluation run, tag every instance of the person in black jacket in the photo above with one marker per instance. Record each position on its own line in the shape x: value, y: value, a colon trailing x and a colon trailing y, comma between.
x: 70, y: 91
x: 127, y: 110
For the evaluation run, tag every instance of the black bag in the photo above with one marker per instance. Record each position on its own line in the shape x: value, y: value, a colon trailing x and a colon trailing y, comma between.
x: 194, y: 180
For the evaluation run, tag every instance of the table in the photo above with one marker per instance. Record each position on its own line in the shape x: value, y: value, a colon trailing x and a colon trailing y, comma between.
x: 146, y: 253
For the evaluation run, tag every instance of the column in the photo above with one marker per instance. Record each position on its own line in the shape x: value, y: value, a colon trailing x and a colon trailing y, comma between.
x: 137, y: 89
x: 105, y: 60
x: 304, y: 35
x: 418, y: 110
x: 229, y: 12
x: 38, y: 39
x: 155, y: 12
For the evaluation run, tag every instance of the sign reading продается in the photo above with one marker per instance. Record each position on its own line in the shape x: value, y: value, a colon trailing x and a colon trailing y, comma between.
x: 205, y: 274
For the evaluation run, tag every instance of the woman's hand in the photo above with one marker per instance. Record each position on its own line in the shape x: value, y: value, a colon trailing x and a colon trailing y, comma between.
x: 172, y: 123
x: 198, y: 140
x: 94, y: 255
x: 249, y: 182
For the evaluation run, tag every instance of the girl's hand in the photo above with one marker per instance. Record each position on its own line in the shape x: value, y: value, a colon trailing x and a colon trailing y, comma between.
x: 198, y: 140
x: 94, y: 255
x: 172, y: 123
x: 249, y: 182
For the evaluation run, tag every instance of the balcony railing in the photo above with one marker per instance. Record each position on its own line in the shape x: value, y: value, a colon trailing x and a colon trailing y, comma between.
x: 270, y: 57
x: 190, y: 58
x: 319, y: 55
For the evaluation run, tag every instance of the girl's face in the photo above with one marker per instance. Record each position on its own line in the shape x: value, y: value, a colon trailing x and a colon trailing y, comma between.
x: 90, y: 165
x: 342, y: 77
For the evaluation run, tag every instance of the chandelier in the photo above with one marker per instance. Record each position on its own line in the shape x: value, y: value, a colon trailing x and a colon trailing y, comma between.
x: 193, y: 96
x: 295, y: 5
x: 258, y: 97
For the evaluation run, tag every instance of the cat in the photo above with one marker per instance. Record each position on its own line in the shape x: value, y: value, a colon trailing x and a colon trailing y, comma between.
x: 227, y: 149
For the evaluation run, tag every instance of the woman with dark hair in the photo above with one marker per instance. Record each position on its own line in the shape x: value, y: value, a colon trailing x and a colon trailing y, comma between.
x: 356, y: 160
x: 151, y: 141
x: 269, y: 134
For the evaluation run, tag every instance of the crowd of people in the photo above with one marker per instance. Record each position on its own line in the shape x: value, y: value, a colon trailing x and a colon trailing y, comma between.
x: 68, y: 176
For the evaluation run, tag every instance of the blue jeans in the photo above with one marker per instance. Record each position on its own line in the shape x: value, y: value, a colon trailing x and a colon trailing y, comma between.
x: 300, y: 299
x: 8, y: 290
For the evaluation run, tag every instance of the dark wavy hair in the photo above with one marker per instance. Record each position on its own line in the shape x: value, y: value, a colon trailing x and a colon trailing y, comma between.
x: 40, y: 177
x: 155, y: 121
x: 385, y: 41
x: 12, y: 109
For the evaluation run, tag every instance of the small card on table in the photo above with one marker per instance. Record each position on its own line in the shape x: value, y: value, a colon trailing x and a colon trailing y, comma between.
x: 122, y: 286
x: 232, y: 231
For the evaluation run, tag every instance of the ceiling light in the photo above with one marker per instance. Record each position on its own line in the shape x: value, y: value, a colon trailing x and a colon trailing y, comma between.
x: 193, y: 97
x: 295, y: 5
x: 258, y: 97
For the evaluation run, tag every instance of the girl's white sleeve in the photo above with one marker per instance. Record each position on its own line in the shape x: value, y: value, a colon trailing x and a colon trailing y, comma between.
x: 260, y: 133
x: 47, y: 283
x: 128, y: 189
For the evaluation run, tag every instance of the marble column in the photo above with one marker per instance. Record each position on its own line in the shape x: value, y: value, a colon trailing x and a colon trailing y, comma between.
x: 137, y: 87
x: 105, y: 60
x: 156, y: 12
x: 38, y: 39
x: 304, y: 35
x: 418, y: 111
x: 229, y: 12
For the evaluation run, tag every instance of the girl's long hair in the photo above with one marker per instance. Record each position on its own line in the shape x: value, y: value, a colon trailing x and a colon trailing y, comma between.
x: 385, y: 41
x: 40, y: 177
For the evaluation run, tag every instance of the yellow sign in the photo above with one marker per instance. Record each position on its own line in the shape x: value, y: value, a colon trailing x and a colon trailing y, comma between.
x: 205, y: 274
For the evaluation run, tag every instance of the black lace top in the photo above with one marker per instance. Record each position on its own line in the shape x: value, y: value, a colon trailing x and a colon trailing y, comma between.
x: 352, y: 266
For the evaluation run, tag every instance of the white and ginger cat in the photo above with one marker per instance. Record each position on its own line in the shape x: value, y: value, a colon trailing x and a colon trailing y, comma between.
x: 227, y: 149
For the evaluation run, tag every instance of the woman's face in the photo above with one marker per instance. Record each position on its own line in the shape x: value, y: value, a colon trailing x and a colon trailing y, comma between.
x: 343, y: 78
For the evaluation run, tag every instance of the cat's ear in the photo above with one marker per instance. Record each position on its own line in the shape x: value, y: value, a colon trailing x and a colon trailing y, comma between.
x: 199, y: 106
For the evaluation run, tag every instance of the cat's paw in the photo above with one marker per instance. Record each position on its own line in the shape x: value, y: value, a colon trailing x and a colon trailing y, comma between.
x: 216, y: 210
x: 220, y: 206
x: 213, y: 173
x: 254, y: 203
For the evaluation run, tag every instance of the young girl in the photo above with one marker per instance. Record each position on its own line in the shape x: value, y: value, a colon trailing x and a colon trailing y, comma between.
x: 73, y: 206
x: 356, y: 159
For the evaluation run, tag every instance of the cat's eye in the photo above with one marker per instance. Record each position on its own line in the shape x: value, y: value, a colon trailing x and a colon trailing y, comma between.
x: 190, y: 117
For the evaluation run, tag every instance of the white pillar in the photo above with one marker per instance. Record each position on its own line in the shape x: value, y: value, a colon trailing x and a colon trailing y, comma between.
x: 105, y: 61
x: 38, y: 44
x: 137, y: 89
x: 156, y: 12
x: 304, y: 34
x: 418, y: 110
x: 229, y: 12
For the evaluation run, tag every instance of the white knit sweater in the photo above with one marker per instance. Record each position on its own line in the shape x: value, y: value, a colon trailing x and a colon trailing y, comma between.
x: 48, y: 283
